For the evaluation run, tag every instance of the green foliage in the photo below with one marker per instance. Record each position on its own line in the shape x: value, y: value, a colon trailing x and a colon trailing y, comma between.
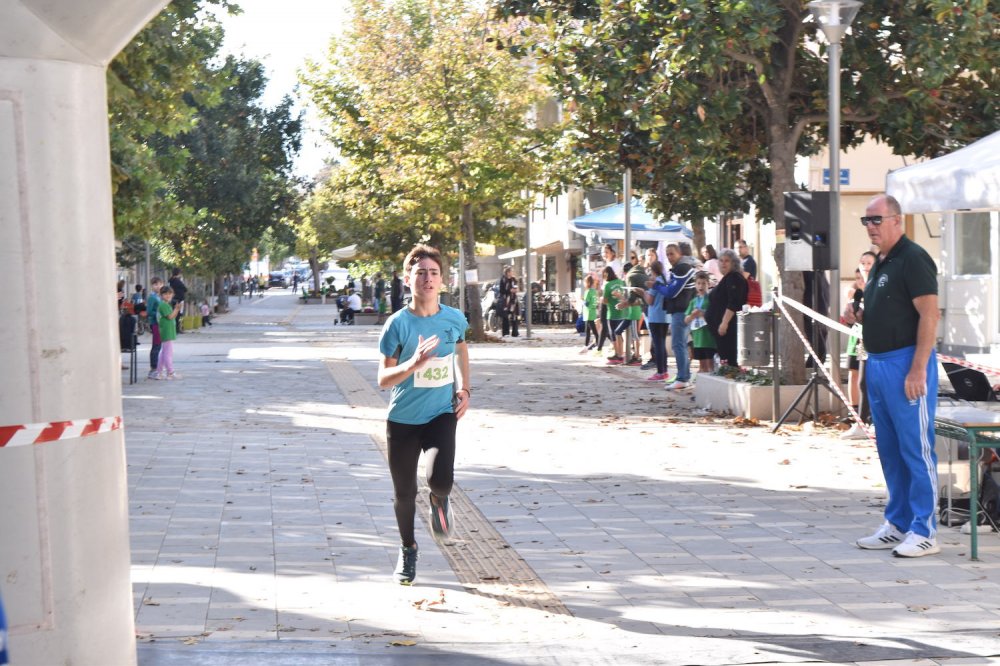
x: 745, y: 375
x: 710, y: 102
x: 148, y: 83
x: 239, y: 175
x: 428, y: 116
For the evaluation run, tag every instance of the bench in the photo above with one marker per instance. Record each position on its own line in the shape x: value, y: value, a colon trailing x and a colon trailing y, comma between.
x: 981, y: 429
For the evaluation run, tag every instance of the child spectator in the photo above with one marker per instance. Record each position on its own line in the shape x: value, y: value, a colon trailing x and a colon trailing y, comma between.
x: 168, y: 333
x: 589, y: 312
x: 206, y: 314
x: 153, y: 316
x: 138, y: 297
x: 612, y: 292
x: 701, y: 338
x: 657, y: 320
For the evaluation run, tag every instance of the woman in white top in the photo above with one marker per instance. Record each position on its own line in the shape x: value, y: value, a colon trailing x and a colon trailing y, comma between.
x: 711, y: 265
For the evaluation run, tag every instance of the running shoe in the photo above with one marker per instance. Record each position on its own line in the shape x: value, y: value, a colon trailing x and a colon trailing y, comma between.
x: 648, y: 365
x: 406, y: 565
x: 635, y: 362
x: 440, y: 517
x: 916, y: 545
x: 856, y: 432
x: 886, y: 537
x: 153, y: 375
x: 173, y: 375
x: 658, y: 377
x: 615, y: 360
x: 982, y: 529
x: 677, y: 385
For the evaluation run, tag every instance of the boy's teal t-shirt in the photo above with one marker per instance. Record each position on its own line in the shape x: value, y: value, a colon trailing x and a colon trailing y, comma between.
x: 425, y: 395
x: 153, y: 309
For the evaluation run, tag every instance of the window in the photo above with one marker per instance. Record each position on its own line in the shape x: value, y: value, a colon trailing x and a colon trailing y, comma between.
x: 972, y: 244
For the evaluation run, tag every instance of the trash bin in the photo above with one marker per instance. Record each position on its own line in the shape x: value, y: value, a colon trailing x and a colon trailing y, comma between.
x: 753, y: 338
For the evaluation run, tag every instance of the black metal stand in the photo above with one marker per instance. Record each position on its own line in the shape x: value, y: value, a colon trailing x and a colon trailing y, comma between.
x: 811, y: 389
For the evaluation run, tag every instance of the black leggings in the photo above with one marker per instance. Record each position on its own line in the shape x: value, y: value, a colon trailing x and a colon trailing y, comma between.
x: 605, y: 333
x: 436, y: 438
x: 591, y: 328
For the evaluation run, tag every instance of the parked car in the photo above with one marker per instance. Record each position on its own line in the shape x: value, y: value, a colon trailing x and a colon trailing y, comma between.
x: 277, y: 280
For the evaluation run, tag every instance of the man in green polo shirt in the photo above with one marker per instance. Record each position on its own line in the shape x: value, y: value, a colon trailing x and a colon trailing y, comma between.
x: 899, y: 324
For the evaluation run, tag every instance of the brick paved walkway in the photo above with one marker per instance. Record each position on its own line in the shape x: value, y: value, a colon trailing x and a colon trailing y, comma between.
x: 603, y: 521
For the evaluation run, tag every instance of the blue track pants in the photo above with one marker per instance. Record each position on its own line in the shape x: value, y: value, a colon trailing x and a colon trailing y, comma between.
x: 905, y: 440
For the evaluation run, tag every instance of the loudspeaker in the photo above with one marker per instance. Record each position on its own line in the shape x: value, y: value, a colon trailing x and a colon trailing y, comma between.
x: 807, y: 231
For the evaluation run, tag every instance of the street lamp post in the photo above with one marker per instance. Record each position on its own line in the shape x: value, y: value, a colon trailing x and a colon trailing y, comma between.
x: 833, y: 18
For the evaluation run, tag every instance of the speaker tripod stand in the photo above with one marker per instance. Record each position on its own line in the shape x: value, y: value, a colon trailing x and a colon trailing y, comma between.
x: 810, y: 392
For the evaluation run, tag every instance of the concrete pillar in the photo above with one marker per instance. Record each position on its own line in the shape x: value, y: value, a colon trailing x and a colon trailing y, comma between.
x: 64, y: 551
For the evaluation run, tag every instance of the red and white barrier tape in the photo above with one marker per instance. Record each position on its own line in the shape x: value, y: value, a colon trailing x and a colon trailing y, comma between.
x: 834, y: 386
x: 829, y: 323
x: 40, y: 433
x: 815, y: 316
x: 985, y: 369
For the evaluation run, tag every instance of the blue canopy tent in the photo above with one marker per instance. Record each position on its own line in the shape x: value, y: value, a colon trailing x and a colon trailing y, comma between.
x: 609, y: 224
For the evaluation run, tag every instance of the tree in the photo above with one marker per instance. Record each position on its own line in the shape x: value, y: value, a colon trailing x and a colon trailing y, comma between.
x: 711, y: 102
x: 433, y: 123
x: 148, y: 83
x: 238, y: 176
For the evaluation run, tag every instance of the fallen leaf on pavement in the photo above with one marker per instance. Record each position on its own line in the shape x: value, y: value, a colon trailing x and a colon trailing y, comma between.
x: 426, y: 604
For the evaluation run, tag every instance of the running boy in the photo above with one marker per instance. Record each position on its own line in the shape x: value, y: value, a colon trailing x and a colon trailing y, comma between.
x: 426, y: 363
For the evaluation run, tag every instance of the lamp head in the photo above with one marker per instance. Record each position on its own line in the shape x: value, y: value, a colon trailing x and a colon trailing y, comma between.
x: 834, y: 17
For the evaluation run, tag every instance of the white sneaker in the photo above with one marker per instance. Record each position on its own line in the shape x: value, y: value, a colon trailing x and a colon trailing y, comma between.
x: 886, y: 537
x: 856, y: 432
x: 677, y: 385
x: 916, y: 545
x: 982, y: 529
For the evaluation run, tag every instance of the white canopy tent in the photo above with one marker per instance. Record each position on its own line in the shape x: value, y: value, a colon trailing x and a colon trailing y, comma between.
x: 964, y: 186
x: 344, y: 253
x: 965, y: 180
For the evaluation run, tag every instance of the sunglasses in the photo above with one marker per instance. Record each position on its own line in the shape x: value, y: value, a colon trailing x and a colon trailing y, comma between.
x: 875, y: 219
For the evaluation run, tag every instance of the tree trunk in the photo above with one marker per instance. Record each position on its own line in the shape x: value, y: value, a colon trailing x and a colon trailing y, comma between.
x: 222, y: 295
x: 314, y: 267
x: 478, y: 333
x: 698, y: 242
x: 781, y: 152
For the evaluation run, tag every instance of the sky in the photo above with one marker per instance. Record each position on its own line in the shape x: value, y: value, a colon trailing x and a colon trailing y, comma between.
x: 282, y: 34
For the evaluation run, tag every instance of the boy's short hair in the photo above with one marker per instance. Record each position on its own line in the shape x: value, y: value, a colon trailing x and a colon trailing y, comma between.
x: 703, y: 275
x: 156, y: 280
x: 421, y: 251
x: 164, y: 290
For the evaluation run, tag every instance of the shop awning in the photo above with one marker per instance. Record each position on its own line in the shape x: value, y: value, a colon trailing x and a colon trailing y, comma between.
x: 965, y: 180
x: 547, y: 248
x: 609, y: 224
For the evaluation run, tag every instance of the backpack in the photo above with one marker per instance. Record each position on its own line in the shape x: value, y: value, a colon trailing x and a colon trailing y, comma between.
x: 755, y: 297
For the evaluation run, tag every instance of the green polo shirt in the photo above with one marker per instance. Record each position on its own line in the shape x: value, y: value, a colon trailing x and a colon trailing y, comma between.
x: 890, y: 321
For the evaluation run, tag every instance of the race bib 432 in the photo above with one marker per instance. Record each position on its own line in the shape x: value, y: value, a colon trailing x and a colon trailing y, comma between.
x: 436, y: 373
